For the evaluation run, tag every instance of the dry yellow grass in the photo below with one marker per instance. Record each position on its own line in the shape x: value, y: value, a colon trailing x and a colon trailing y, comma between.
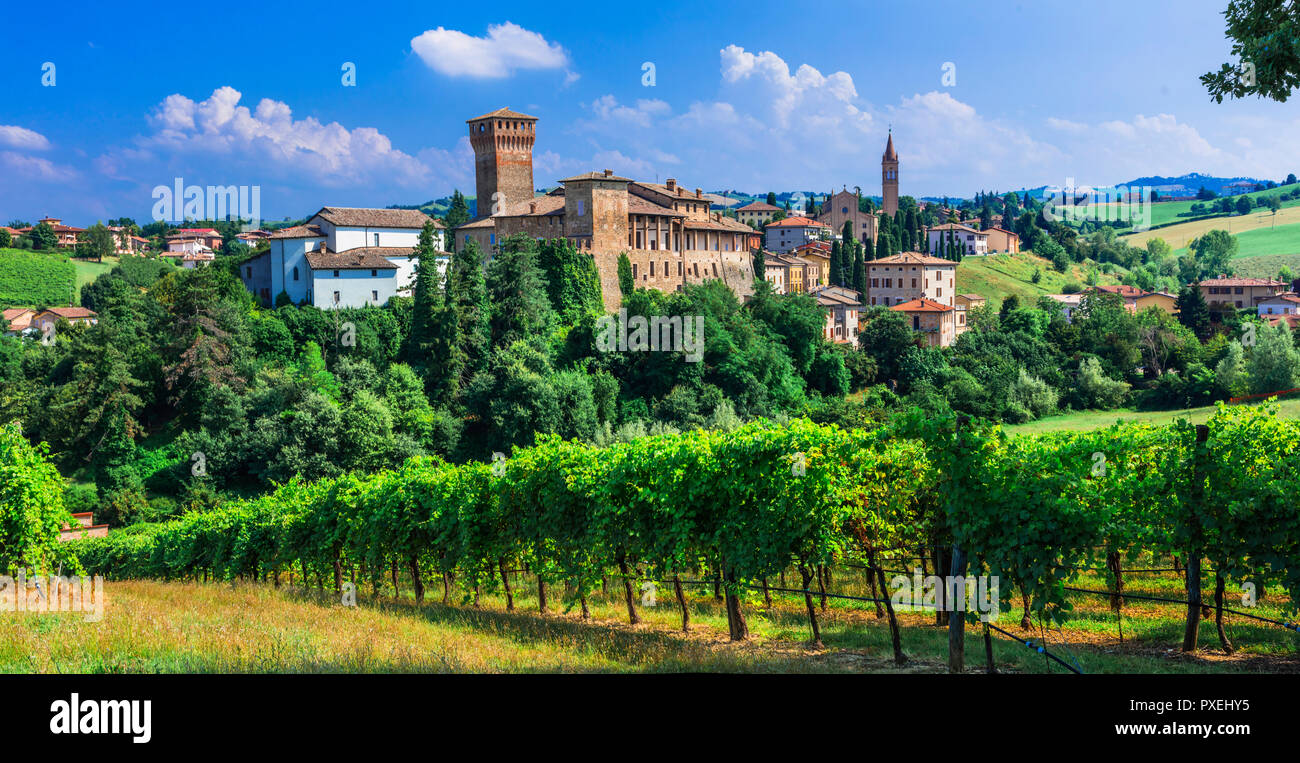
x: 157, y: 627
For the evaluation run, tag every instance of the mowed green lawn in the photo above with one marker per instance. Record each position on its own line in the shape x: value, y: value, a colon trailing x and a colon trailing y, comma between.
x: 89, y: 270
x: 1084, y: 420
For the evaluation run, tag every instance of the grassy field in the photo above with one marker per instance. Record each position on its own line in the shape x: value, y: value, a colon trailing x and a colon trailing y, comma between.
x: 1084, y: 420
x: 31, y: 279
x: 153, y: 626
x: 89, y: 270
x: 997, y: 275
x: 1180, y: 236
x: 1167, y: 212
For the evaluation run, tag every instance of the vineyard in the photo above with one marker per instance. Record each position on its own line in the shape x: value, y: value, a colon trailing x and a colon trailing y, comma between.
x: 767, y: 510
x: 31, y: 279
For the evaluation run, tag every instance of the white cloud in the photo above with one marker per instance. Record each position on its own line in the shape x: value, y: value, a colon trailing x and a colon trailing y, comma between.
x: 34, y: 168
x: 790, y: 95
x: 270, y: 137
x: 22, y: 138
x: 506, y: 48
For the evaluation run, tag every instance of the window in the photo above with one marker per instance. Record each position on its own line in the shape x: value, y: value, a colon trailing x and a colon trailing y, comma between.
x: 652, y: 268
x: 336, y: 297
x: 581, y: 206
x: 634, y: 270
x: 295, y: 272
x: 376, y: 239
x: 916, y: 322
x: 492, y: 238
x: 374, y: 273
x: 248, y: 272
x: 913, y: 283
x: 374, y: 296
x: 1238, y: 291
x: 336, y: 274
x: 844, y: 210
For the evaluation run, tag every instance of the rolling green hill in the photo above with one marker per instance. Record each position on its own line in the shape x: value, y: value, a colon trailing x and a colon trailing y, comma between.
x: 997, y: 275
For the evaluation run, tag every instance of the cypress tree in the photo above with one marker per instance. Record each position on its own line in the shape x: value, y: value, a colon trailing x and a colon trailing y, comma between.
x: 463, y: 334
x: 859, y: 271
x: 837, y: 264
x: 521, y: 310
x: 457, y: 214
x: 426, y: 301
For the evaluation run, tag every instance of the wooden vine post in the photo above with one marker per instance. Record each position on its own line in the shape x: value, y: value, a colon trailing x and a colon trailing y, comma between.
x: 1196, y: 499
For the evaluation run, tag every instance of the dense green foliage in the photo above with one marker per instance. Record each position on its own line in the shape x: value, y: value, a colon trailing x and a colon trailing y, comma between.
x: 31, y: 507
x: 752, y: 502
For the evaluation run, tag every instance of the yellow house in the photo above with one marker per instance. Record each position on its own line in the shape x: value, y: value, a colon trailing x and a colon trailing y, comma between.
x: 1163, y: 300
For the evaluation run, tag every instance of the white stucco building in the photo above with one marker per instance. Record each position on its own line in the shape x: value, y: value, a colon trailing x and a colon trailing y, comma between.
x: 341, y: 257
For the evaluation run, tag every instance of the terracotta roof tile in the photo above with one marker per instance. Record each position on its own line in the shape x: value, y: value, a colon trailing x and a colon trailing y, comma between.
x: 360, y: 217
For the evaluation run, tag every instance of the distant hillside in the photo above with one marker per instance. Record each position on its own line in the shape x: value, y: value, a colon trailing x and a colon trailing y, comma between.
x: 997, y: 276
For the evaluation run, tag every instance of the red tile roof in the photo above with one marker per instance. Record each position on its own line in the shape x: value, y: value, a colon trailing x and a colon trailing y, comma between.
x: 298, y: 231
x: 1241, y: 282
x: 922, y: 305
x: 72, y: 312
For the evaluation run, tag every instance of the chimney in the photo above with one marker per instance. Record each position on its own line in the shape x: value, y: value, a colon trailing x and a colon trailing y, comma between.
x: 699, y: 194
x: 672, y: 184
x: 532, y: 207
x: 609, y: 173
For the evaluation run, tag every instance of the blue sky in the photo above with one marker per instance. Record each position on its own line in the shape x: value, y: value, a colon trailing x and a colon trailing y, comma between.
x: 755, y: 96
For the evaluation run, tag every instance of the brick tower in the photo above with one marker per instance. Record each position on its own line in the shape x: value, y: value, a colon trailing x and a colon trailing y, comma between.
x: 889, y: 177
x: 503, y: 159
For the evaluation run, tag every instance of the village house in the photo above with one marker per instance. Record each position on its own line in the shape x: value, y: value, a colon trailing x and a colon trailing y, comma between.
x: 1279, y: 304
x: 66, y: 235
x: 973, y: 241
x: 783, y: 236
x: 910, y: 275
x: 671, y: 236
x: 252, y: 237
x: 937, y: 321
x: 1002, y: 240
x: 842, y: 307
x: 341, y: 257
x: 969, y: 301
x: 49, y: 317
x: 1239, y: 292
x: 757, y: 213
x: 1070, y: 304
x: 790, y: 274
x: 19, y: 320
x: 818, y: 252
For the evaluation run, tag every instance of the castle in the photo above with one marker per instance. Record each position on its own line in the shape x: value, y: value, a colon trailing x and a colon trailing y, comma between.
x: 671, y: 235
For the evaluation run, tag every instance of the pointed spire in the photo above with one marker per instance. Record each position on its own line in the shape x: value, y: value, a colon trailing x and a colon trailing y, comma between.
x: 890, y: 154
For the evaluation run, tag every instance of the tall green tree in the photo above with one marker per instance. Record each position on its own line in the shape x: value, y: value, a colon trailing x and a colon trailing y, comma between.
x: 464, y: 330
x: 625, y: 281
x: 43, y: 237
x: 521, y: 310
x: 457, y: 214
x: 426, y: 301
